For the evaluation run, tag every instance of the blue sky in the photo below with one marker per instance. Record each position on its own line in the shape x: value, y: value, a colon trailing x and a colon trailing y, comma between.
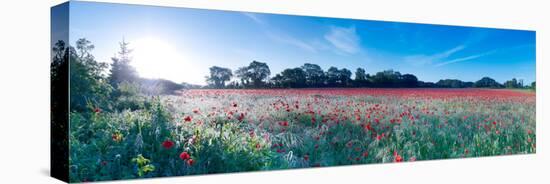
x: 192, y: 40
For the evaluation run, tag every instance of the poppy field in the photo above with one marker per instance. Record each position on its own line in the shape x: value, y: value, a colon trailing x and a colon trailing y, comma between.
x: 203, y: 131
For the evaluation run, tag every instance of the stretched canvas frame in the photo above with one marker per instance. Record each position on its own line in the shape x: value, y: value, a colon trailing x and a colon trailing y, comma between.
x: 136, y: 115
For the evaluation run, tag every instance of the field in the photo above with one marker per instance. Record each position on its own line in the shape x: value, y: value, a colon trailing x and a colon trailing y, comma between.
x: 219, y: 131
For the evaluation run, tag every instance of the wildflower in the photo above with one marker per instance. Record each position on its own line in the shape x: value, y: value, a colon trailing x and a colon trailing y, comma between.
x: 184, y: 155
x: 258, y: 146
x: 368, y: 127
x: 283, y: 123
x: 187, y: 119
x: 97, y: 110
x: 397, y: 157
x: 167, y: 144
x: 241, y: 117
x: 117, y: 137
x: 306, y: 157
x: 190, y: 162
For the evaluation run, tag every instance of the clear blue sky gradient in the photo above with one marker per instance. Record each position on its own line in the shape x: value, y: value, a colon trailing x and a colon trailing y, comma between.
x: 234, y: 39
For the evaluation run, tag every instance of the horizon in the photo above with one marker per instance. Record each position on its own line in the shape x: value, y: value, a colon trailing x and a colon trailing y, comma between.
x: 180, y: 44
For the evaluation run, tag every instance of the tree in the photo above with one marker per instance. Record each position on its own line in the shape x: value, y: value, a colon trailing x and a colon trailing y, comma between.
x: 315, y: 76
x: 361, y: 78
x: 259, y: 72
x: 293, y: 78
x: 277, y: 81
x: 487, y: 82
x: 409, y: 81
x: 83, y: 47
x: 218, y: 76
x: 332, y: 76
x: 453, y: 83
x: 360, y: 74
x: 534, y: 85
x: 386, y: 78
x: 121, y: 70
x: 255, y: 74
x: 345, y: 77
x: 512, y: 84
x: 244, y: 75
x: 89, y: 86
x: 338, y: 77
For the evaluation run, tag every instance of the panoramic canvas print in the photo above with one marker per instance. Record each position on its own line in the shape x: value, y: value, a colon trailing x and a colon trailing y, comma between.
x: 148, y: 91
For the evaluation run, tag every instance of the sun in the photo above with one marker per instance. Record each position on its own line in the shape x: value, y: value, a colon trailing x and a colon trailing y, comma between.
x: 156, y: 58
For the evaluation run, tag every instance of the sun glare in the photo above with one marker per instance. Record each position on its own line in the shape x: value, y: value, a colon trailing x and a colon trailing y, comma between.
x: 155, y: 58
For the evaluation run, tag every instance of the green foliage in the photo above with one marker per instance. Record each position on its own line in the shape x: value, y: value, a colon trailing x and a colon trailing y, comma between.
x: 87, y: 81
x: 143, y: 165
x: 128, y: 96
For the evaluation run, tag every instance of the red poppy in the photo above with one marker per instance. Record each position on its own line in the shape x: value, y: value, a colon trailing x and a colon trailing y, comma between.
x: 306, y: 157
x: 368, y: 126
x: 187, y: 118
x: 190, y: 162
x: 97, y: 110
x: 397, y: 158
x: 283, y: 123
x: 167, y: 144
x: 494, y: 123
x: 241, y: 117
x: 184, y: 155
x: 378, y: 137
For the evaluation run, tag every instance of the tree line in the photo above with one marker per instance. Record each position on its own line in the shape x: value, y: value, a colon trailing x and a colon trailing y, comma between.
x: 256, y: 75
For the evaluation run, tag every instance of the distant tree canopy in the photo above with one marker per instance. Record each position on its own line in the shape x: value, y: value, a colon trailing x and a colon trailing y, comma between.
x: 361, y: 77
x: 256, y: 75
x: 487, y: 82
x: 454, y: 83
x: 315, y: 76
x: 218, y: 76
x: 514, y: 83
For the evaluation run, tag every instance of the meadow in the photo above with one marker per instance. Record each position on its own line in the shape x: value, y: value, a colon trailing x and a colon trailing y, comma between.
x: 203, y: 131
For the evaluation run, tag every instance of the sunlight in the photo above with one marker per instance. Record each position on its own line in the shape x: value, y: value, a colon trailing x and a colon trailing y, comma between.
x: 155, y: 58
